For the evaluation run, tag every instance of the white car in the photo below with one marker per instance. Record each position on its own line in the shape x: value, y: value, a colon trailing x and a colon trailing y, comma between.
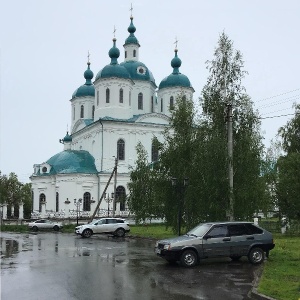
x: 44, y: 224
x: 116, y: 226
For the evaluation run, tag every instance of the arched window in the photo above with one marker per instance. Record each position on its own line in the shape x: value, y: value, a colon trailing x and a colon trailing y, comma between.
x: 161, y: 105
x: 171, y: 103
x: 152, y: 104
x: 74, y: 113
x: 184, y: 98
x: 129, y: 98
x: 125, y: 54
x: 121, y: 197
x: 57, y: 202
x: 154, y: 152
x: 97, y: 98
x: 93, y: 111
x: 32, y: 200
x: 134, y: 53
x: 121, y: 149
x: 121, y: 96
x: 41, y: 200
x: 82, y: 111
x: 140, y: 101
x: 107, y: 95
x: 86, y: 201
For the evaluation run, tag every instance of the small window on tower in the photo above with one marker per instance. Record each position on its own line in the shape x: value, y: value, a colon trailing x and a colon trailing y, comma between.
x: 44, y: 170
x: 140, y: 101
x: 171, y: 103
x: 82, y: 111
x: 125, y: 54
x: 121, y: 96
x: 107, y: 95
x: 134, y: 53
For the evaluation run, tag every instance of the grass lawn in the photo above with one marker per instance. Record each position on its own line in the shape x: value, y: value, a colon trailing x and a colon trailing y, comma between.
x: 281, y: 274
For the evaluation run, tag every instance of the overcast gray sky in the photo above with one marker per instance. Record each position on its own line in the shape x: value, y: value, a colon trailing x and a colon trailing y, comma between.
x: 44, y: 46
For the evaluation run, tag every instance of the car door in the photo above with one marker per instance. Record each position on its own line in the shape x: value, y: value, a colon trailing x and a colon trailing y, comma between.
x: 112, y: 225
x: 216, y: 242
x: 240, y: 238
x: 100, y: 226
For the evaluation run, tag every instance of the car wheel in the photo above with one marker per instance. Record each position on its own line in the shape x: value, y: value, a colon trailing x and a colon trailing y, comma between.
x: 189, y: 258
x: 235, y: 258
x: 35, y: 228
x: 56, y: 228
x: 256, y: 256
x: 87, y: 233
x: 120, y: 232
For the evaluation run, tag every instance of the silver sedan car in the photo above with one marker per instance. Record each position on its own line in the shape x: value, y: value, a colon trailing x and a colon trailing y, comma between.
x: 44, y: 224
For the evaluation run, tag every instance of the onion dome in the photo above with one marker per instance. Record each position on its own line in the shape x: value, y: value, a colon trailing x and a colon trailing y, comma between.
x: 131, y: 39
x: 72, y: 161
x: 88, y: 88
x: 176, y: 79
x: 67, y: 138
x: 138, y: 71
x: 113, y: 69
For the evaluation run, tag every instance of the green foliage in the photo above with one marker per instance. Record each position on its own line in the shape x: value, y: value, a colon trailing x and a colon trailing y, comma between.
x: 288, y: 185
x: 196, y: 148
x: 288, y: 169
x: 142, y: 200
x: 224, y: 86
x: 13, y: 192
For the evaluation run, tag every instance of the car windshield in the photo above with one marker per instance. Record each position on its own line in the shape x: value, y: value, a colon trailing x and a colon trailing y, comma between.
x: 199, y: 230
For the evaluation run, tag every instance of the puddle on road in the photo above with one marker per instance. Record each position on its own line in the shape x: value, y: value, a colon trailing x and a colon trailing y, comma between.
x: 9, y: 247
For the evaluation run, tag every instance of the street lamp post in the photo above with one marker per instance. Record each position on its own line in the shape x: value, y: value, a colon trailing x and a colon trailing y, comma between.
x: 77, y: 204
x: 108, y: 201
x: 181, y: 190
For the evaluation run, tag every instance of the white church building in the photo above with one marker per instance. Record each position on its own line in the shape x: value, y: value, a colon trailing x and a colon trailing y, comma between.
x: 110, y: 114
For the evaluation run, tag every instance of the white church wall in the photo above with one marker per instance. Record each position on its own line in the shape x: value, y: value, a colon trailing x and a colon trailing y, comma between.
x: 148, y: 91
x: 114, y: 108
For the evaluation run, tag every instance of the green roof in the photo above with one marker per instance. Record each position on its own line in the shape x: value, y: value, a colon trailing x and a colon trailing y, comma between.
x: 72, y: 161
x: 88, y: 88
x: 133, y: 66
x: 176, y: 79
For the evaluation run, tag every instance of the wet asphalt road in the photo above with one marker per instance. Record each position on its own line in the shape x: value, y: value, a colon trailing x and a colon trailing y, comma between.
x: 63, y: 266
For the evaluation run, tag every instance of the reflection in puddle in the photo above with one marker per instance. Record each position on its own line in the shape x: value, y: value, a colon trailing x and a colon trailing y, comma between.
x: 8, y: 247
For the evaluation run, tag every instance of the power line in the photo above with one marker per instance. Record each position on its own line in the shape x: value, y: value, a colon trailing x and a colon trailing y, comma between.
x: 295, y: 97
x: 279, y: 116
x: 278, y: 95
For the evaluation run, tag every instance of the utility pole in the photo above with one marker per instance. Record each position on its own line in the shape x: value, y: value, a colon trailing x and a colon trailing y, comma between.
x: 230, y: 158
x: 103, y: 194
x: 230, y: 212
x: 115, y: 186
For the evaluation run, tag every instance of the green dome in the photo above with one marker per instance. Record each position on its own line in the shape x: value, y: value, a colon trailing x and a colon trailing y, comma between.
x: 176, y: 79
x: 88, y: 88
x: 72, y: 161
x: 113, y: 69
x: 67, y: 138
x: 131, y: 39
x: 138, y: 70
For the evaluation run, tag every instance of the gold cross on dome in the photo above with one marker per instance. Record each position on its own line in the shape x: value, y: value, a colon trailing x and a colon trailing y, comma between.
x: 114, y: 32
x: 88, y: 56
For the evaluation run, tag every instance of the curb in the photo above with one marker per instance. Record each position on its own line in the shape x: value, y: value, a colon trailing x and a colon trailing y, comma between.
x: 254, y: 294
